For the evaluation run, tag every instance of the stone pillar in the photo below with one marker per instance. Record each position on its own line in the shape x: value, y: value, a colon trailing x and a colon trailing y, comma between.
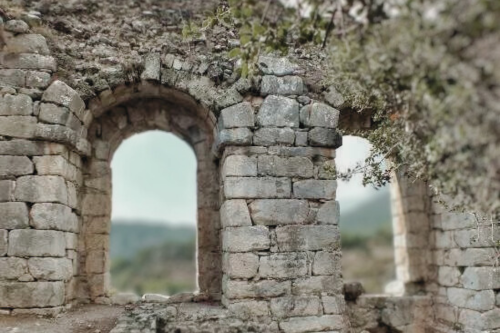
x: 280, y: 238
x: 39, y: 179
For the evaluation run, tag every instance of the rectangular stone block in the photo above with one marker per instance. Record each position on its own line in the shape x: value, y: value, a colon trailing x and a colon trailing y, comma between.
x: 326, y: 263
x: 51, y: 269
x: 30, y: 148
x: 18, y: 126
x: 234, y: 213
x: 241, y: 265
x: 279, y: 211
x: 56, y: 165
x: 324, y: 137
x: 329, y: 213
x: 16, y: 105
x: 333, y: 304
x: 317, y: 285
x: 36, y: 243
x: 53, y: 114
x: 315, y: 189
x: 283, y: 265
x: 255, y: 188
x: 234, y: 137
x: 301, y: 167
x: 239, y: 115
x: 319, y: 114
x: 448, y: 276
x: 14, y: 215
x: 96, y: 204
x: 269, y: 136
x: 312, y: 324
x: 240, y: 166
x: 12, y: 268
x: 31, y: 294
x: 245, y: 239
x: 7, y: 190
x: 471, y: 299
x: 36, y: 79
x: 287, y: 85
x: 15, y: 166
x: 278, y: 111
x: 250, y: 309
x: 481, y: 278
x: 308, y: 238
x: 53, y: 217
x: 12, y: 77
x: 41, y: 189
x: 295, y: 306
x: 4, y: 234
x: 263, y: 288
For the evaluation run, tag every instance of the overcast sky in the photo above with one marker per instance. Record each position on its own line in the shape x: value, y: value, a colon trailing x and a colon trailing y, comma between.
x: 154, y: 178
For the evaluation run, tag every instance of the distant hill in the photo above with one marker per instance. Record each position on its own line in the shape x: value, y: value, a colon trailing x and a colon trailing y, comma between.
x: 130, y: 237
x: 370, y: 216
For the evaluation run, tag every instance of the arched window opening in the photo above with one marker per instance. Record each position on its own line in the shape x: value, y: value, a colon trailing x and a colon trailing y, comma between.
x: 154, y: 215
x: 365, y: 223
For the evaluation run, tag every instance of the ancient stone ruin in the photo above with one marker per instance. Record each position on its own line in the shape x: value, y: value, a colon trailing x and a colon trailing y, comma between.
x: 268, y: 235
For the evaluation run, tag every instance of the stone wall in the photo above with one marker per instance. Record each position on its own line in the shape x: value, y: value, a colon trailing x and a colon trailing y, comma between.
x: 268, y: 235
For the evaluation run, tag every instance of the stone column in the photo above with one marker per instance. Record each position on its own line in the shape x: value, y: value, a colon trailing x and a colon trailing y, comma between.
x: 281, y: 240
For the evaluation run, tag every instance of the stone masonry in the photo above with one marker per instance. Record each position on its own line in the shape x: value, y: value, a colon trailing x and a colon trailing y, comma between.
x: 269, y: 247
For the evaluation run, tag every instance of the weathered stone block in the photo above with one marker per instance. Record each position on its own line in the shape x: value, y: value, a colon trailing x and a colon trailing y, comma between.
x: 245, y: 239
x: 329, y: 213
x: 241, y: 265
x: 288, y: 85
x: 325, y: 137
x: 12, y: 268
x: 7, y: 190
x: 239, y: 115
x: 152, y: 66
x: 234, y: 136
x: 448, y: 276
x: 301, y: 139
x: 4, y: 244
x: 31, y: 294
x: 320, y: 115
x: 14, y: 215
x: 41, y: 189
x: 18, y: 126
x: 278, y: 111
x: 62, y: 94
x: 36, y: 243
x: 334, y: 98
x: 263, y: 288
x: 51, y: 113
x: 16, y: 105
x: 269, y: 136
x: 15, y: 166
x: 17, y: 26
x: 283, y: 265
x: 333, y: 304
x: 295, y: 306
x: 239, y: 165
x: 37, y: 79
x: 312, y: 324
x: 317, y: 285
x: 326, y: 263
x: 234, y: 213
x: 250, y: 309
x: 53, y: 217
x: 285, y: 166
x: 96, y: 204
x: 254, y: 188
x: 51, y: 268
x: 279, y: 211
x: 315, y: 189
x: 12, y: 77
x: 491, y: 319
x: 28, y: 43
x: 470, y: 299
x: 276, y: 66
x: 308, y: 238
x: 481, y: 278
x: 28, y: 61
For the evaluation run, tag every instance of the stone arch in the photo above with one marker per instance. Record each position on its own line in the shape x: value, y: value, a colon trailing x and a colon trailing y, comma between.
x: 150, y: 108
